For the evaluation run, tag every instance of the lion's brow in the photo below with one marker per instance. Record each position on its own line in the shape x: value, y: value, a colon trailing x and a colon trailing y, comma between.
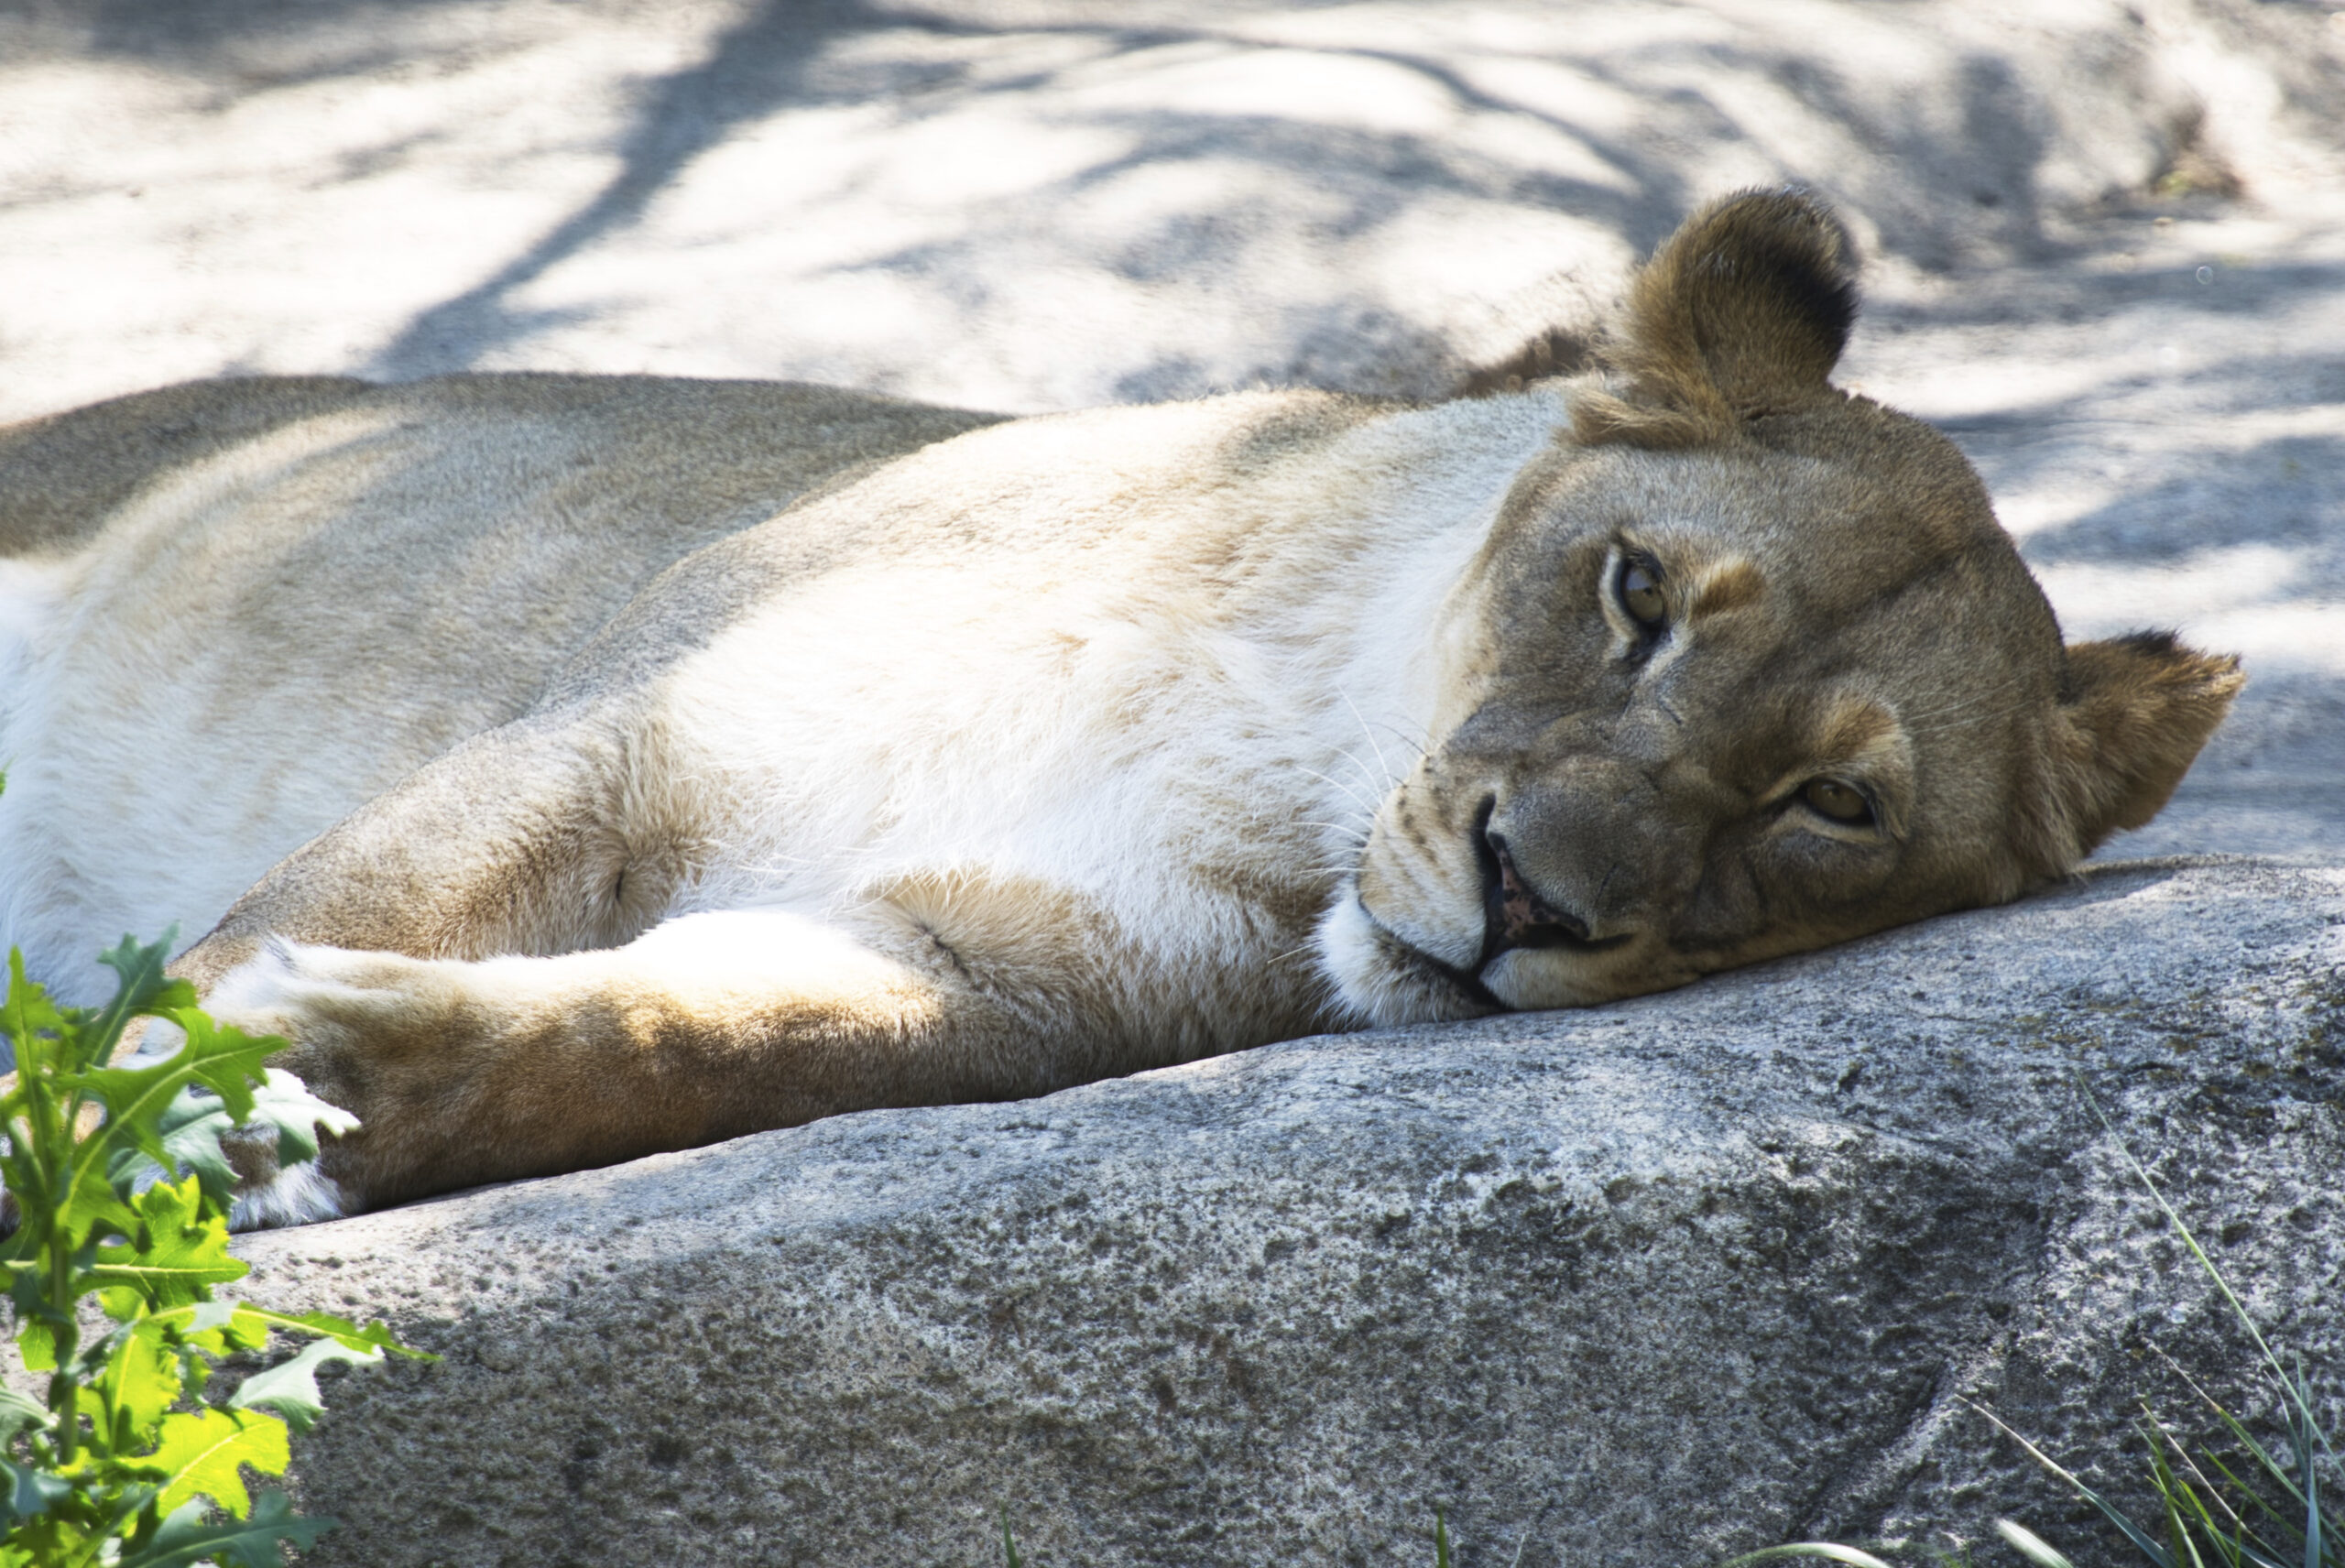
x: 1726, y: 585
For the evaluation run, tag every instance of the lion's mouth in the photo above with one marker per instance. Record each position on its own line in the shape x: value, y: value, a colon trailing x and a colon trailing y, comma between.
x: 1515, y: 916
x: 1409, y: 957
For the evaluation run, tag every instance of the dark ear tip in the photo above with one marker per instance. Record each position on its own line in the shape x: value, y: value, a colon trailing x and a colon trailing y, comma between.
x: 1743, y: 311
x: 1782, y: 252
x: 1792, y: 239
x: 1789, y: 221
x: 2142, y: 705
x: 2160, y: 658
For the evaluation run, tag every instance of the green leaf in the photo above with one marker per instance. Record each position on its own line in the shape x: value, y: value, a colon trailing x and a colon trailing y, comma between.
x: 136, y: 1210
x: 189, y: 1133
x: 35, y: 1344
x: 31, y: 1491
x: 374, y: 1336
x: 1824, y: 1549
x: 284, y: 1102
x: 28, y: 1017
x: 32, y: 1112
x: 187, y: 1537
x: 186, y: 1139
x: 141, y: 1380
x: 18, y: 1412
x: 290, y: 1387
x: 181, y: 1252
x: 222, y: 1326
x: 141, y: 1100
x: 136, y: 1099
x: 227, y: 1060
x: 139, y: 987
x: 204, y: 1452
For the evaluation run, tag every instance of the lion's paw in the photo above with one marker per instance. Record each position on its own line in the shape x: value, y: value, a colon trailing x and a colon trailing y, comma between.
x: 346, y: 1016
x: 294, y: 1195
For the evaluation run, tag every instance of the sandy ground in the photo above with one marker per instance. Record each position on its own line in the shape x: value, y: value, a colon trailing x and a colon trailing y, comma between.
x: 2107, y: 241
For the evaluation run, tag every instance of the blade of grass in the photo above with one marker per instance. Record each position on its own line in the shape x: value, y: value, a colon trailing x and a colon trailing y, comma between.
x: 1824, y: 1549
x: 2245, y: 1546
x: 2301, y: 1436
x: 2190, y: 1240
x: 2150, y: 1548
x: 2280, y: 1520
x: 2174, y: 1494
x: 2271, y: 1466
x: 2240, y: 1529
x: 2032, y: 1546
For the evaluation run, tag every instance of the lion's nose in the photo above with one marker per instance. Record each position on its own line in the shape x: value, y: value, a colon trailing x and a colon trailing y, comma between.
x: 1516, y: 916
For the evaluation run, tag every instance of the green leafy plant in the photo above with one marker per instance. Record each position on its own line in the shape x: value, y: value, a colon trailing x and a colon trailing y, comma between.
x: 122, y: 1189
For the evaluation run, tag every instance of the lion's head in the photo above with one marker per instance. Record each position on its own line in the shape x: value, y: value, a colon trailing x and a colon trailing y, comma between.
x: 1746, y: 667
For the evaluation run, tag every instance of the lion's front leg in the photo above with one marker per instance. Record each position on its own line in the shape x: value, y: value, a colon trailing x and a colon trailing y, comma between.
x: 708, y: 1026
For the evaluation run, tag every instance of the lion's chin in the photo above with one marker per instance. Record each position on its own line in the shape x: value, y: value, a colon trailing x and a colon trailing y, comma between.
x: 1532, y: 979
x: 1381, y: 980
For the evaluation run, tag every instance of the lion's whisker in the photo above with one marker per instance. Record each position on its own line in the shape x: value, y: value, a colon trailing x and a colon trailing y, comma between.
x: 1382, y: 767
x: 1356, y: 798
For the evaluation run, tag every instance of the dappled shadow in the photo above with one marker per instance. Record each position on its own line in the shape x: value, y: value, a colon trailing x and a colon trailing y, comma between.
x: 202, y: 28
x: 243, y: 47
x: 787, y: 54
x: 2054, y: 294
x: 1278, y: 249
x: 780, y: 57
x: 755, y: 68
x: 2283, y: 491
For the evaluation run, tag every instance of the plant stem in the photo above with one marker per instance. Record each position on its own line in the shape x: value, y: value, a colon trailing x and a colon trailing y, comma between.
x: 64, y: 1384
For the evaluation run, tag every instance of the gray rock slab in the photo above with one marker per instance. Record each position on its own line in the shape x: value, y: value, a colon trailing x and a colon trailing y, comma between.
x: 1644, y: 1284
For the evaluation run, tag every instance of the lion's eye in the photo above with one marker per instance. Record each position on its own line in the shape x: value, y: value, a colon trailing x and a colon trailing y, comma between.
x: 1639, y: 590
x: 1837, y: 800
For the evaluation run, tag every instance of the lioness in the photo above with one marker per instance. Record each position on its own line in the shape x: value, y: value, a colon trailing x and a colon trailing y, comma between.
x: 591, y: 766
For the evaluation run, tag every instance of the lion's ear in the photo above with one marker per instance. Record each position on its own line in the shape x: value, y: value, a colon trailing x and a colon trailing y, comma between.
x: 1742, y: 311
x: 2137, y: 710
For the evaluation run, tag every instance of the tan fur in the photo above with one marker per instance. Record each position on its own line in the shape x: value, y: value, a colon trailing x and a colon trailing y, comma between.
x: 676, y: 760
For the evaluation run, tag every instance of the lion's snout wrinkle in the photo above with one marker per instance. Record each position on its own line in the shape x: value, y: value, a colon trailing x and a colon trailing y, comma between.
x: 635, y: 763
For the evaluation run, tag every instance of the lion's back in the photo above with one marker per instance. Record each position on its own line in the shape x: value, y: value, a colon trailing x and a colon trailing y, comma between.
x: 676, y: 444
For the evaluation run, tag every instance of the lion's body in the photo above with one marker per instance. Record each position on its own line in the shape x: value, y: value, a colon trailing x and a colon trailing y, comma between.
x: 222, y: 644
x: 684, y: 760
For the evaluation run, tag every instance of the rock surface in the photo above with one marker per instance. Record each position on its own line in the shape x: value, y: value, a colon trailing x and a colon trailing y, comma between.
x: 1646, y: 1284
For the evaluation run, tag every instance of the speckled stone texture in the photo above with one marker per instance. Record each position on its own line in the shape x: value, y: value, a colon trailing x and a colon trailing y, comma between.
x: 1647, y: 1284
